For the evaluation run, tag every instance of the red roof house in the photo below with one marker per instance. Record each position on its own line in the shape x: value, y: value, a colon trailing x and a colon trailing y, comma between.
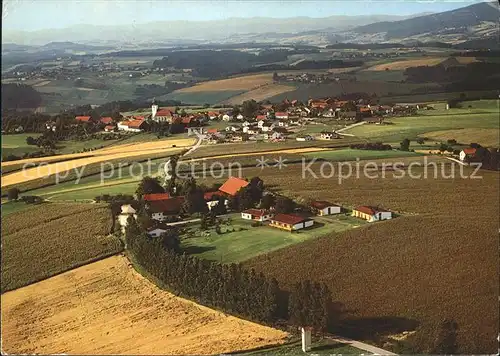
x: 106, y: 120
x: 156, y: 196
x: 233, y: 185
x: 83, y: 118
x: 290, y: 222
x: 261, y: 117
x: 109, y: 128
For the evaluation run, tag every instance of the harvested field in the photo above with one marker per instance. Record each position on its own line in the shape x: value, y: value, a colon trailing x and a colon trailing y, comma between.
x: 104, y: 155
x: 410, y: 272
x: 401, y: 65
x: 246, y: 82
x: 108, y: 308
x: 134, y: 147
x: 485, y: 137
x: 51, y: 238
x: 260, y: 93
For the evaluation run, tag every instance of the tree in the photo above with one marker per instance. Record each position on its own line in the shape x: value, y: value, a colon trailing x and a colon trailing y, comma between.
x: 149, y: 185
x: 170, y: 240
x: 446, y: 338
x: 249, y: 108
x: 30, y: 141
x: 267, y: 201
x: 284, y: 205
x: 13, y: 194
x: 276, y: 77
x: 420, y: 141
x: 256, y: 189
x: 452, y: 141
x: 405, y: 145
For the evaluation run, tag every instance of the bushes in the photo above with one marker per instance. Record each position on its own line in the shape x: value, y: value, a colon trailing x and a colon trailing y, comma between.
x: 377, y: 146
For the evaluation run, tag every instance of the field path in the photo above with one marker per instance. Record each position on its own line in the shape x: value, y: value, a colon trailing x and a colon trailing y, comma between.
x: 108, y: 308
x: 350, y: 127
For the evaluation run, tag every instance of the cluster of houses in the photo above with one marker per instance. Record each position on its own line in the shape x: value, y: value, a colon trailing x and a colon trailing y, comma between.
x: 162, y: 206
x: 270, y: 122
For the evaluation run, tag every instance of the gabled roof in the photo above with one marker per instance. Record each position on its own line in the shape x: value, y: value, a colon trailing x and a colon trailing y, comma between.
x: 109, y: 127
x: 212, y: 131
x: 469, y: 151
x: 134, y: 124
x: 233, y: 185
x: 164, y: 112
x: 256, y: 212
x: 156, y: 196
x: 261, y: 117
x: 83, y: 118
x: 290, y: 219
x: 370, y: 210
x: 280, y: 113
x: 106, y: 120
x: 168, y: 206
x: 321, y: 204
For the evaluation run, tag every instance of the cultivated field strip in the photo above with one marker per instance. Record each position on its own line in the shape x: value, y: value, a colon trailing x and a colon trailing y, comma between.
x: 108, y: 308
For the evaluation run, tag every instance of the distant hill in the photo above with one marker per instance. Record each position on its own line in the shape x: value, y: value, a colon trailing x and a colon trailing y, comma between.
x: 66, y: 45
x: 464, y: 17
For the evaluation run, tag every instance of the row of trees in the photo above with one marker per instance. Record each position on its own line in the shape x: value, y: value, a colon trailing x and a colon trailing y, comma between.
x: 230, y: 288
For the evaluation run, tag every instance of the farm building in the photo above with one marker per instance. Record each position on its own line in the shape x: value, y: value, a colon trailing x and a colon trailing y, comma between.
x: 261, y: 117
x: 290, y: 222
x: 127, y: 210
x: 281, y: 115
x: 371, y: 214
x: 325, y: 135
x: 467, y: 153
x: 266, y: 127
x: 304, y: 138
x: 109, y: 128
x: 321, y: 207
x: 233, y: 185
x: 226, y: 117
x: 83, y: 118
x: 256, y: 215
x: 106, y: 120
x: 161, y: 209
x: 212, y: 199
x: 156, y: 196
x: 347, y: 115
x: 131, y: 126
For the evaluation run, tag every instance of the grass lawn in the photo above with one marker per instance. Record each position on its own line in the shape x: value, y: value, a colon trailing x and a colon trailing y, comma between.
x: 322, y: 347
x: 351, y: 154
x: 16, y: 144
x: 240, y: 241
x: 412, y: 127
x: 14, y: 206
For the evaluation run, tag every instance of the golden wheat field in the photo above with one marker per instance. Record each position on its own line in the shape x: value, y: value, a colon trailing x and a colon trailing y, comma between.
x: 401, y: 65
x: 485, y: 137
x: 104, y: 155
x: 246, y: 82
x: 108, y: 308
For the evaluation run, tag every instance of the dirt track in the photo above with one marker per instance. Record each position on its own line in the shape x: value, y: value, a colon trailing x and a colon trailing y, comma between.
x: 108, y: 308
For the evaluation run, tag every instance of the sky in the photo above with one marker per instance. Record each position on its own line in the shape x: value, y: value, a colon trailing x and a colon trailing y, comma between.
x: 30, y: 15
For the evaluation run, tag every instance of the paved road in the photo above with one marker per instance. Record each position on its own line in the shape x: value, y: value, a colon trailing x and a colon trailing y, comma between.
x: 362, y: 346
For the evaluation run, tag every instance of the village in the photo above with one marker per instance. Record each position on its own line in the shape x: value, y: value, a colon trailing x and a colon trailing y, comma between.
x: 247, y: 202
x: 266, y: 122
